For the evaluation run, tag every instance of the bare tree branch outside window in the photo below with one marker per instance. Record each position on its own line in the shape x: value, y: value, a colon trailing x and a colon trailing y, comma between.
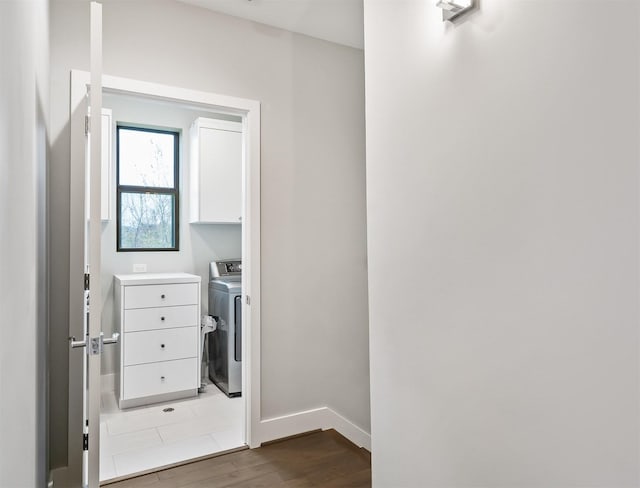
x: 147, y: 189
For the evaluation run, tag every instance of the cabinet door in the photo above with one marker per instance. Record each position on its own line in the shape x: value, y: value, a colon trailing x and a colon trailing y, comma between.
x: 220, y: 175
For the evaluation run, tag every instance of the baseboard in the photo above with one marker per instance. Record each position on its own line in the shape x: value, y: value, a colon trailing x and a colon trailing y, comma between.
x: 318, y: 418
x: 295, y: 423
x: 107, y: 382
x: 350, y: 430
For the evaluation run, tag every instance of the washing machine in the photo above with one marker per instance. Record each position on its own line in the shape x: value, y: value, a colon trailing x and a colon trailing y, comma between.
x: 225, y: 343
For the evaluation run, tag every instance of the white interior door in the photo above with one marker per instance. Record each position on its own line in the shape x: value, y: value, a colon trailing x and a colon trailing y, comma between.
x: 94, y: 347
x: 90, y: 202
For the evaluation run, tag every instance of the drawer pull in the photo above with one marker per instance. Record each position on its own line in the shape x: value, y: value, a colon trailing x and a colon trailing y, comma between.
x: 162, y: 296
x: 162, y: 318
x: 162, y: 346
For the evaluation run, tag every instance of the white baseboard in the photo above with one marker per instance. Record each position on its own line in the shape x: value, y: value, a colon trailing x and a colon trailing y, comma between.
x: 319, y: 418
x: 107, y: 383
x: 295, y: 423
x: 350, y: 430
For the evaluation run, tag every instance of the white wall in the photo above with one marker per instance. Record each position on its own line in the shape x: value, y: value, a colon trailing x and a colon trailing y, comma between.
x: 314, y: 300
x: 502, y: 190
x: 24, y: 99
x: 199, y: 244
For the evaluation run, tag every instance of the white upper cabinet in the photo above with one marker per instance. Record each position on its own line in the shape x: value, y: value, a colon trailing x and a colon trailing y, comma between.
x: 216, y: 171
x: 107, y: 165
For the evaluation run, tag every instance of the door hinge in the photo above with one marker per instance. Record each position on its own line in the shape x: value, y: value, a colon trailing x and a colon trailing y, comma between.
x: 85, y: 442
x: 248, y: 300
x: 86, y: 281
x: 87, y: 125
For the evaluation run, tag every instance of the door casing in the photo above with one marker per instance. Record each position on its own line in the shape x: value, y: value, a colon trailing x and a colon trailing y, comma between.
x: 249, y: 111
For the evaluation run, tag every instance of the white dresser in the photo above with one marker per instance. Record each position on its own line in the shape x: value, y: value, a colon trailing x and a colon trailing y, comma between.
x: 158, y: 318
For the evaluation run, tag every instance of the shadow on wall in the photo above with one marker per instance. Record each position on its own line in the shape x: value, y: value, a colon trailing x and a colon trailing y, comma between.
x: 42, y: 353
x: 59, y: 358
x: 227, y: 238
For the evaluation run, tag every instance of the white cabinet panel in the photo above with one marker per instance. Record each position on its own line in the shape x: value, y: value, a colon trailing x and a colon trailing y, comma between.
x: 160, y: 345
x: 160, y: 318
x: 151, y: 379
x: 145, y: 296
x: 216, y: 171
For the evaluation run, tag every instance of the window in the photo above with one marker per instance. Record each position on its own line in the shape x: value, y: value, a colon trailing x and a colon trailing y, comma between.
x: 147, y: 195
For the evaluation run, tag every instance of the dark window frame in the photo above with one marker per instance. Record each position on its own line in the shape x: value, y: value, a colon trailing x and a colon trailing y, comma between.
x: 150, y: 190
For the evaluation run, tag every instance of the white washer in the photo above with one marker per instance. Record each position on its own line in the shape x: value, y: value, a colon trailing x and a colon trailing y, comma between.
x: 225, y: 343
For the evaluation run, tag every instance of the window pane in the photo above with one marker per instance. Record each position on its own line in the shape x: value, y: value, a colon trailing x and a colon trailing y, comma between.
x: 146, y: 220
x: 146, y: 158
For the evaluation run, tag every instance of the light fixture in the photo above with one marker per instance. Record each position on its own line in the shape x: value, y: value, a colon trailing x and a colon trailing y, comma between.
x: 451, y: 9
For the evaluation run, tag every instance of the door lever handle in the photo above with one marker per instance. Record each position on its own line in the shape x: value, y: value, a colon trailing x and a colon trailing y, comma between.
x: 96, y: 342
x: 115, y: 337
x: 75, y: 344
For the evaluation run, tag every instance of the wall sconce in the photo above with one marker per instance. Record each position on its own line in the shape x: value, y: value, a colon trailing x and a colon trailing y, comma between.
x: 451, y: 9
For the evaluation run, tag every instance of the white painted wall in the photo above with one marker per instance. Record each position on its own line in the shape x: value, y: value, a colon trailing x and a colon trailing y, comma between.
x: 199, y: 244
x: 24, y: 99
x: 502, y: 190
x: 314, y: 281
x: 333, y: 20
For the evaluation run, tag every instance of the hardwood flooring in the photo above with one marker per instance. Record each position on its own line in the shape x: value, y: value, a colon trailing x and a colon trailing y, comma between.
x: 317, y: 459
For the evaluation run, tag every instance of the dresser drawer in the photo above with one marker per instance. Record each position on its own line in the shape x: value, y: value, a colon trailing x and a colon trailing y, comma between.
x: 160, y: 345
x: 147, y: 296
x: 160, y: 318
x: 158, y: 378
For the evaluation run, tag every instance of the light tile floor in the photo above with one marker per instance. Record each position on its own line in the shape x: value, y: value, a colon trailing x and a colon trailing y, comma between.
x: 143, y: 438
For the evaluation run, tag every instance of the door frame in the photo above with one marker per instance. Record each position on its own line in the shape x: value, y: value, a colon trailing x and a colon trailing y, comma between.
x: 249, y: 111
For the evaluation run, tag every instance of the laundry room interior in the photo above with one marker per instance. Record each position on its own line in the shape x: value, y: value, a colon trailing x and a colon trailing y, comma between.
x: 171, y: 265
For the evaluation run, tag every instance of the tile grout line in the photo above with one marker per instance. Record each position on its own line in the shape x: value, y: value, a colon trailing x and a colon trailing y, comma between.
x: 189, y: 414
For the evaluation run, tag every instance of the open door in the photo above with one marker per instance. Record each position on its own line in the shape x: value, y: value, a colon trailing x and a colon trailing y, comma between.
x: 87, y: 206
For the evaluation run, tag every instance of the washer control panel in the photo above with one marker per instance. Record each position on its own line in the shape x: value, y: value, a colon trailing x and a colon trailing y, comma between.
x: 220, y: 269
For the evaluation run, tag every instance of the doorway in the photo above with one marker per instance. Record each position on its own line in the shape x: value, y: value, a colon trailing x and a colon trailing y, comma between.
x: 199, y: 245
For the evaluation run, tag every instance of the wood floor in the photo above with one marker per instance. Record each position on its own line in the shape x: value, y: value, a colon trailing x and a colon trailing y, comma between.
x: 316, y: 459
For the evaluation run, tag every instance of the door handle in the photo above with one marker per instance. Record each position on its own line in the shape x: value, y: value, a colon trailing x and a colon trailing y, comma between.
x: 96, y: 343
x: 75, y: 343
x: 115, y: 337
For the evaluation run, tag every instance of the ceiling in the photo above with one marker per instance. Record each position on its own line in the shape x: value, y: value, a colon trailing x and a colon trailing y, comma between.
x: 339, y: 21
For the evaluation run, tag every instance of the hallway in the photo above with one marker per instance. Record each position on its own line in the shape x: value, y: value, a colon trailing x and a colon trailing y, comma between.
x: 312, y: 460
